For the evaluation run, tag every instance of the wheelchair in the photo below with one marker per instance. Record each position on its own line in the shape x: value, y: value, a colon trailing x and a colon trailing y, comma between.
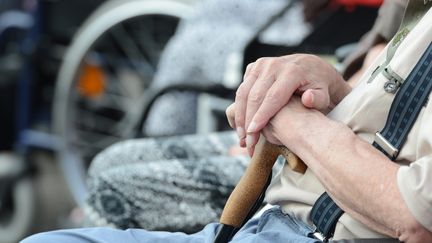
x: 105, y: 72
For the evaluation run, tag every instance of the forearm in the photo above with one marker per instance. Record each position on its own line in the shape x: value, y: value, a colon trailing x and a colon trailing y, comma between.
x: 358, y: 177
x: 362, y: 181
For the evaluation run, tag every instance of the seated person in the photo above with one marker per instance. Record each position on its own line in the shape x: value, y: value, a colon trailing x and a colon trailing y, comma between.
x: 185, y: 181
x: 330, y: 126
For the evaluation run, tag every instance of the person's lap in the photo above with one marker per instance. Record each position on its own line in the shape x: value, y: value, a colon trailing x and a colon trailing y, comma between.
x: 181, y: 181
x: 163, y: 195
x: 272, y: 226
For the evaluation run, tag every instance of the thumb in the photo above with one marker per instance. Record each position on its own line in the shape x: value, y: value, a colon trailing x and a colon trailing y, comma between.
x: 316, y: 98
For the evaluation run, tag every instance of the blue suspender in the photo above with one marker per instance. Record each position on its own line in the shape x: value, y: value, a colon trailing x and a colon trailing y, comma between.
x: 406, y: 107
x: 325, y: 214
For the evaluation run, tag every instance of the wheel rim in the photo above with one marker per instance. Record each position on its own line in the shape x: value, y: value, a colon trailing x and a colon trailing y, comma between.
x: 91, y: 116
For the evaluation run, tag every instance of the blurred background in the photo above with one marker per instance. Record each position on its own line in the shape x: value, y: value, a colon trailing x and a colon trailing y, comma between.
x: 79, y: 75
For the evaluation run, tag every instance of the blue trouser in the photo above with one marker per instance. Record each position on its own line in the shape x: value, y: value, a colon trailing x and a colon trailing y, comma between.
x: 272, y: 226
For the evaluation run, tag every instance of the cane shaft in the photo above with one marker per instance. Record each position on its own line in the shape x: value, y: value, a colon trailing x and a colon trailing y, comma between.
x: 251, y: 184
x: 254, y: 180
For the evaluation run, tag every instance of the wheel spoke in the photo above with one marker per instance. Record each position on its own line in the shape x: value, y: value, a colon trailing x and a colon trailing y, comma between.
x: 99, y: 120
x: 129, y: 48
x: 146, y: 40
x: 128, y: 86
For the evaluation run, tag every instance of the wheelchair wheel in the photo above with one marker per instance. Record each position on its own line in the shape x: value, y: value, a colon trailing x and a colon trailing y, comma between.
x: 104, y: 73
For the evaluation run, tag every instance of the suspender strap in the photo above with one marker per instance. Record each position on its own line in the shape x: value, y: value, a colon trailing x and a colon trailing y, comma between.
x: 404, y: 111
x: 325, y: 214
x: 406, y: 107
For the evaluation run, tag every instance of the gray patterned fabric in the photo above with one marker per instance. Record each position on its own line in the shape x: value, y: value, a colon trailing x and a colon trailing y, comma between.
x: 199, y: 51
x: 175, y: 183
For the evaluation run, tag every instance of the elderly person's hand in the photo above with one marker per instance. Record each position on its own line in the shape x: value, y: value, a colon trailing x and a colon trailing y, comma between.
x: 289, y: 123
x: 268, y: 85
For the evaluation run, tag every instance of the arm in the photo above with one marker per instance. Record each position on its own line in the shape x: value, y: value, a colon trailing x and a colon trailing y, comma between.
x: 360, y: 179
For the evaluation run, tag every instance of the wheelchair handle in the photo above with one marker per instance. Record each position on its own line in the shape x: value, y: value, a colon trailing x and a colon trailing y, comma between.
x: 252, y: 184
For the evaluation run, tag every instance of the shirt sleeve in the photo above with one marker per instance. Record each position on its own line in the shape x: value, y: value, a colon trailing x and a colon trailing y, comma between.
x: 415, y: 185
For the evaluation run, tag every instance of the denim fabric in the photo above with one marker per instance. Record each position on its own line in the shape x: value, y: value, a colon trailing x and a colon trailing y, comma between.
x: 272, y: 226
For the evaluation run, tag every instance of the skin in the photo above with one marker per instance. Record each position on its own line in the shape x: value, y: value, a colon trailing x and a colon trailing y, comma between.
x: 269, y: 83
x: 360, y: 179
x: 308, y: 100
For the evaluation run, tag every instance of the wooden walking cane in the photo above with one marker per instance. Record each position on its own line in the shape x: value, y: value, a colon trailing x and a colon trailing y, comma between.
x: 251, y: 185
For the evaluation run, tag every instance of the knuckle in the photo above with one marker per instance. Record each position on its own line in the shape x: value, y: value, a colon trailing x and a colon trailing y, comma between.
x: 251, y: 74
x: 250, y: 66
x: 241, y: 92
x: 292, y: 70
x: 273, y: 62
x: 261, y: 60
x: 266, y: 61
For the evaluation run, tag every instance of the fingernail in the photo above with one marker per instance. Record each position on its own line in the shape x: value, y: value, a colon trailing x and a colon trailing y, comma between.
x: 251, y: 151
x: 241, y: 132
x: 242, y: 143
x: 249, y: 141
x: 252, y: 127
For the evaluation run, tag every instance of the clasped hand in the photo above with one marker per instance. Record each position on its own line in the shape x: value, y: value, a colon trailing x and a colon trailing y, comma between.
x: 296, y: 82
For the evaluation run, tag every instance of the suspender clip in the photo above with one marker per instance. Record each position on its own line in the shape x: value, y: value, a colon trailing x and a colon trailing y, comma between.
x: 386, y: 145
x: 394, y: 80
x: 320, y: 236
x: 391, y: 86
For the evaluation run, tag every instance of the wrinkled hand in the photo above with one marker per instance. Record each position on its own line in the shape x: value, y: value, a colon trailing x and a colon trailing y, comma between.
x: 268, y: 85
x: 290, y: 123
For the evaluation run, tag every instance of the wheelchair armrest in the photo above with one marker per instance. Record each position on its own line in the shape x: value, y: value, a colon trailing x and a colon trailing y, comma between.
x: 156, y: 91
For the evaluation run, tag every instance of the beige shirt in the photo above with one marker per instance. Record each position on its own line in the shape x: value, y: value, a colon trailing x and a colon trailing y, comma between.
x: 365, y: 111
